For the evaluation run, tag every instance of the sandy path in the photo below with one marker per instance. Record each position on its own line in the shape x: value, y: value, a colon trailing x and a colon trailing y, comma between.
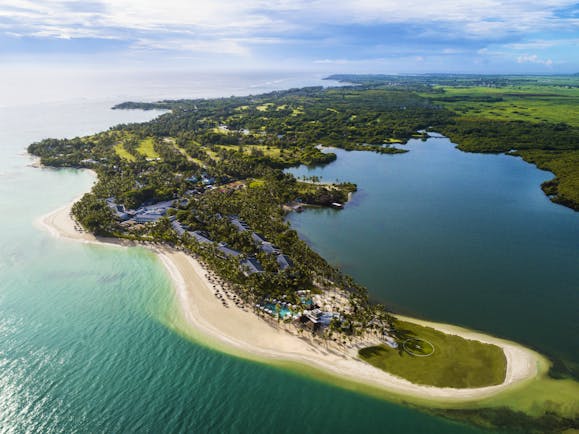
x: 244, y: 333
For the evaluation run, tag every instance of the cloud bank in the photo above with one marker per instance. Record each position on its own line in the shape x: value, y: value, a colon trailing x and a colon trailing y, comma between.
x: 481, y: 33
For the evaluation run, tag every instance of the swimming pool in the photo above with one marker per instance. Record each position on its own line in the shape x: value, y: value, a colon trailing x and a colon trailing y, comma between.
x: 282, y: 312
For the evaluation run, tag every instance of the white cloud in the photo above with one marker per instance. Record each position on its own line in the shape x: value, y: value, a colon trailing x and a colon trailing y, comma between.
x: 541, y: 44
x: 533, y: 58
x: 234, y: 15
x: 473, y: 18
x: 232, y: 26
x: 220, y: 46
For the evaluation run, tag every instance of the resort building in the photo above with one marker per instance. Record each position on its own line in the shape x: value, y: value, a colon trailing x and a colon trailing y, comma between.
x: 148, y: 217
x: 177, y: 227
x: 207, y: 180
x: 200, y: 237
x: 258, y: 238
x: 284, y: 262
x: 118, y: 210
x: 228, y: 252
x: 251, y: 266
x: 152, y: 213
x: 239, y: 224
x: 316, y: 319
x: 269, y: 248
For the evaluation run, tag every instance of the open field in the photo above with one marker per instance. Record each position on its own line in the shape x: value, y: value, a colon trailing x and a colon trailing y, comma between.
x: 430, y: 357
x: 520, y: 103
x: 266, y: 151
x: 264, y: 107
x: 258, y: 182
x: 123, y: 153
x: 211, y: 154
x: 186, y: 155
x: 147, y: 148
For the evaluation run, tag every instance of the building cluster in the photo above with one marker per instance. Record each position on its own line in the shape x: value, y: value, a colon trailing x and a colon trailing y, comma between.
x: 308, y: 315
x: 283, y: 261
x: 316, y: 319
x: 152, y: 213
x: 144, y: 214
x: 205, y: 180
x: 249, y: 265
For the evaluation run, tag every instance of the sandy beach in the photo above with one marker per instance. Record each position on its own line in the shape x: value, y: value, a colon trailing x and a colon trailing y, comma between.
x: 243, y: 333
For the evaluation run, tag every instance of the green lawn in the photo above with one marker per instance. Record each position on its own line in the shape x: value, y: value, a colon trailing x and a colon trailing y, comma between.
x: 264, y: 107
x: 123, y: 153
x: 187, y: 156
x: 521, y: 103
x: 455, y: 362
x: 257, y: 182
x: 297, y: 111
x: 147, y: 148
x: 268, y: 151
x: 211, y: 154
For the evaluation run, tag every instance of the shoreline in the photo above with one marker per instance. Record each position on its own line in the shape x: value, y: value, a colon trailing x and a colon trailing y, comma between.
x: 240, y: 332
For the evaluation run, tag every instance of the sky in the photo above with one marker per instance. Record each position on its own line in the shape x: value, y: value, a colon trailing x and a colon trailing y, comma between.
x: 362, y: 36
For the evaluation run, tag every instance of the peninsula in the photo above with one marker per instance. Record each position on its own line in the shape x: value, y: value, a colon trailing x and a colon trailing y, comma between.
x: 203, y: 185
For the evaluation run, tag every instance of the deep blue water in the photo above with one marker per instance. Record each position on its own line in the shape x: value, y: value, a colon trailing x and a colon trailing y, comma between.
x: 455, y: 237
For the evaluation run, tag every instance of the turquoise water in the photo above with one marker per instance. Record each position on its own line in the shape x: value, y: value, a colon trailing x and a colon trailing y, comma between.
x: 455, y: 237
x: 283, y: 311
x: 83, y: 345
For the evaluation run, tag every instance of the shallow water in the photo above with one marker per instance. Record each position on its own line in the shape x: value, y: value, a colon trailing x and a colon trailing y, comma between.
x: 83, y: 341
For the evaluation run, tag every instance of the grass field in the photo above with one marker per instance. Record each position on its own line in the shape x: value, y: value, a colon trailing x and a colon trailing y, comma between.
x: 147, y: 148
x: 454, y: 362
x: 297, y: 111
x: 267, y: 151
x: 523, y: 103
x: 223, y: 131
x: 123, y: 153
x: 264, y: 107
x: 306, y: 187
x: 211, y: 154
x: 187, y: 156
x: 255, y: 183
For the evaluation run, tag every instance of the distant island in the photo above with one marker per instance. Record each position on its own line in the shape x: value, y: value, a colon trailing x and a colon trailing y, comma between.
x: 204, y: 185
